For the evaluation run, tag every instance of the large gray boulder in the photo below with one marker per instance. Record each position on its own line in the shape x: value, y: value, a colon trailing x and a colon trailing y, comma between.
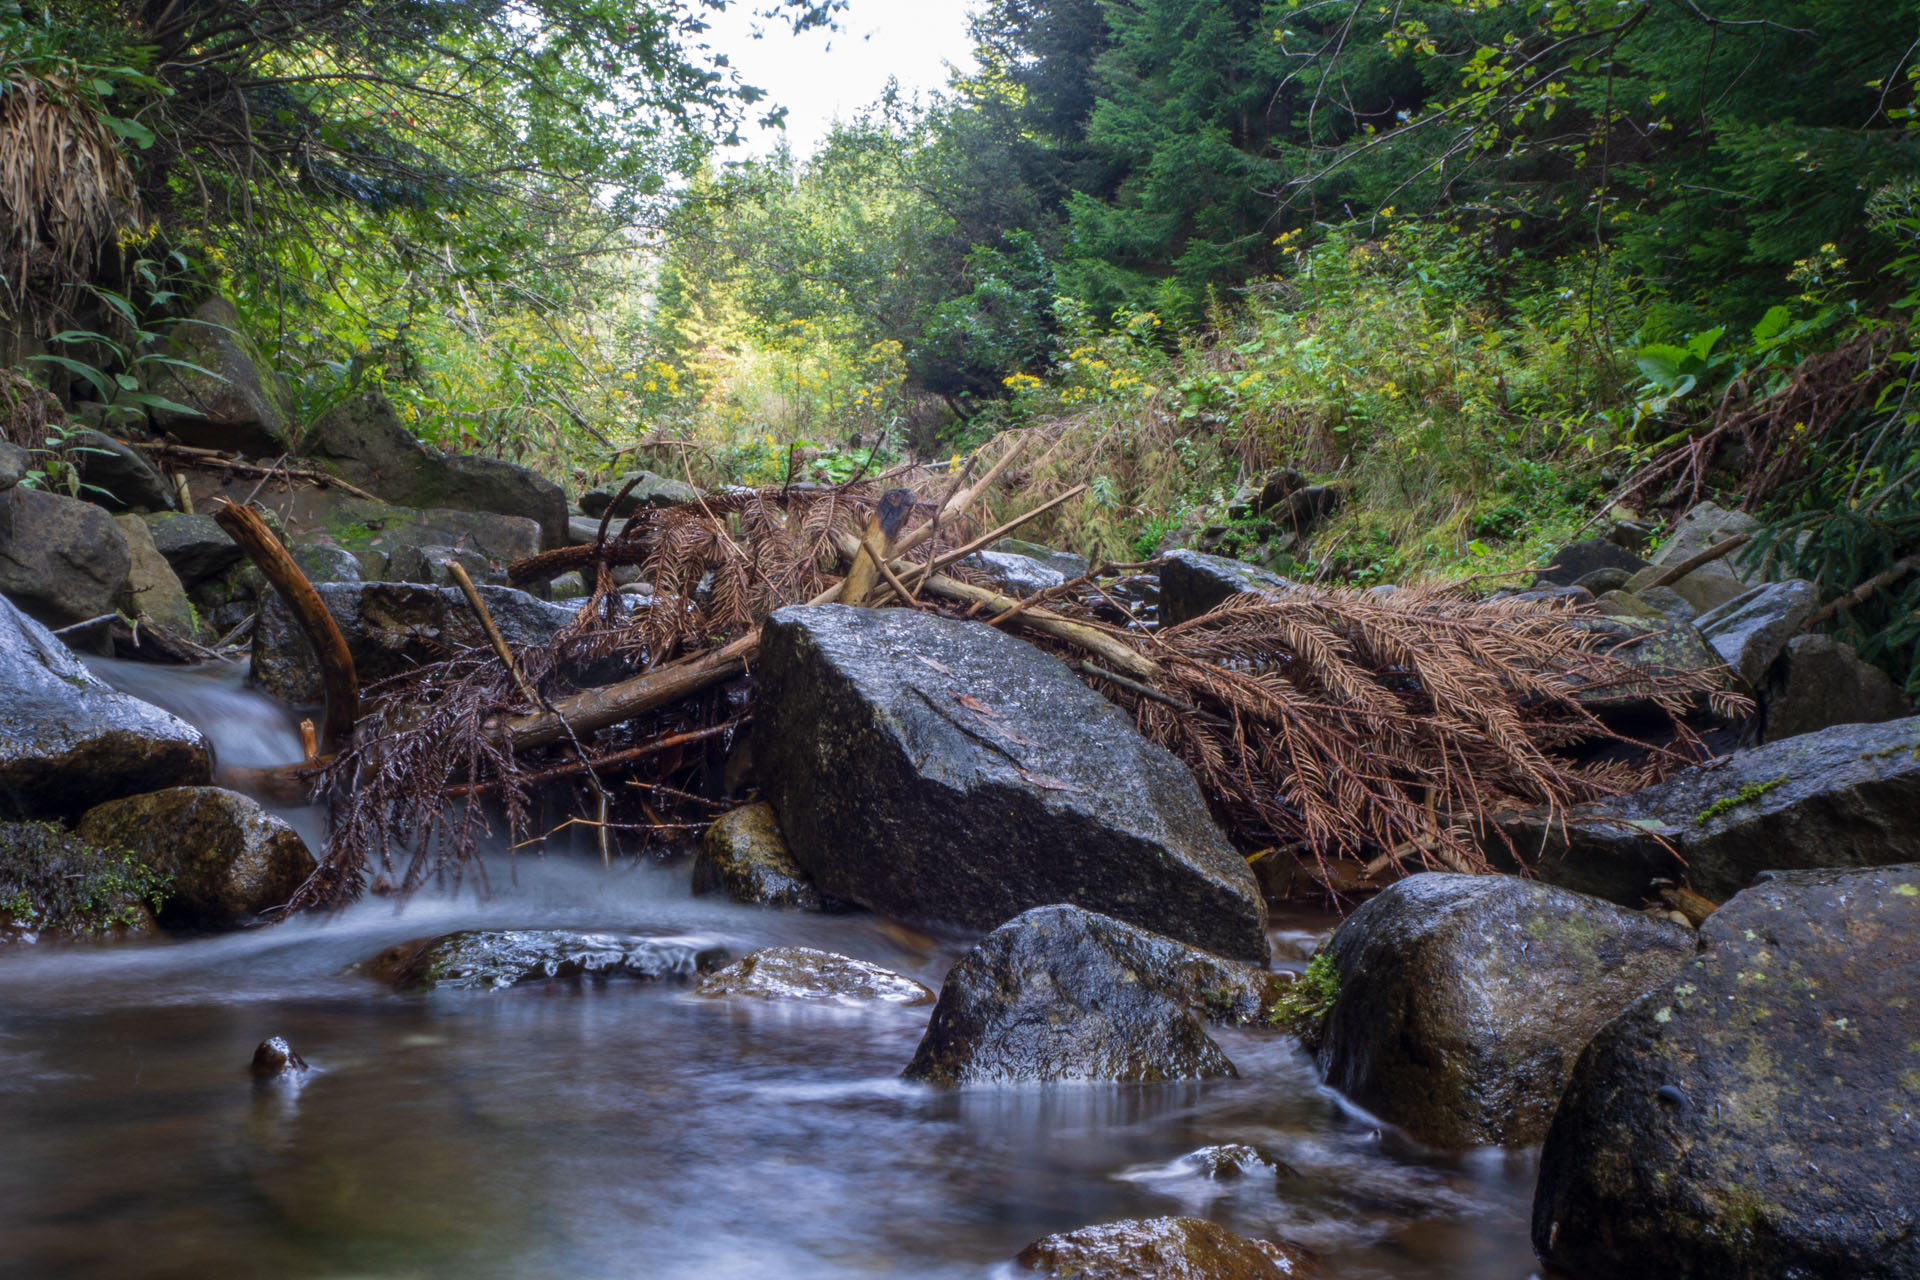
x: 1818, y: 681
x: 1847, y: 796
x: 1752, y: 629
x: 234, y: 400
x: 494, y: 959
x: 15, y: 462
x: 1193, y: 583
x: 228, y: 859
x: 378, y: 534
x: 1759, y: 1117
x: 61, y: 560
x: 363, y: 441
x: 944, y: 771
x: 1704, y: 526
x: 391, y: 627
x: 68, y: 742
x: 1162, y: 1249
x: 1065, y: 563
x: 1064, y: 994
x: 1017, y: 575
x: 1464, y: 1000
x: 195, y: 545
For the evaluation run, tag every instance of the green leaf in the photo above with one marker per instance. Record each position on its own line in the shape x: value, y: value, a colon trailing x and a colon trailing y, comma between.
x: 81, y: 368
x: 1776, y: 319
x: 1700, y: 345
x: 129, y: 130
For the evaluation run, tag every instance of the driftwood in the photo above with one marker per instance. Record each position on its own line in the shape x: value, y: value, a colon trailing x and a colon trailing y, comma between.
x: 337, y: 678
x: 214, y: 460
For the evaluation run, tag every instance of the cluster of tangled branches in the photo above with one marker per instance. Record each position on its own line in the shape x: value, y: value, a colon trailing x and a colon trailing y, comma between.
x: 1321, y: 723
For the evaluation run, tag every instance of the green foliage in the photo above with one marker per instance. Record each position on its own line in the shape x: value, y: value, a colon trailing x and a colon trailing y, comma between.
x: 1304, y: 1004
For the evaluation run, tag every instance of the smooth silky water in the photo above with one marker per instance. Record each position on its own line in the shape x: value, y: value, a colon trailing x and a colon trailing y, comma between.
x: 623, y: 1129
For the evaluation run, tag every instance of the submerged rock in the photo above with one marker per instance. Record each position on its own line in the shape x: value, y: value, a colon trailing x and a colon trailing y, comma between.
x: 1065, y: 994
x: 1193, y: 583
x: 1759, y: 1116
x: 53, y: 884
x: 68, y: 741
x: 944, y: 771
x: 1162, y: 1249
x: 363, y: 441
x: 745, y: 857
x: 275, y: 1058
x: 1847, y: 796
x: 801, y: 973
x: 61, y: 560
x: 1465, y: 1000
x: 492, y: 959
x: 227, y: 858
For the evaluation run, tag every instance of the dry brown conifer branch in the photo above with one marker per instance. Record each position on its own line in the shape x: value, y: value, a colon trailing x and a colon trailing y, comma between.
x: 501, y: 649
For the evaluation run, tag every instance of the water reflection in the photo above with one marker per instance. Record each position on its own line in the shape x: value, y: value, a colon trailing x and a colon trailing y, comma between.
x: 628, y: 1129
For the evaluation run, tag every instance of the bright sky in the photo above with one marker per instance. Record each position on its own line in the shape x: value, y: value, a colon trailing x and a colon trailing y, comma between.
x: 822, y: 76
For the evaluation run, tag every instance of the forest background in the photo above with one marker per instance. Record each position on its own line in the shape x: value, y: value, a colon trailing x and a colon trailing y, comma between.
x: 1494, y: 267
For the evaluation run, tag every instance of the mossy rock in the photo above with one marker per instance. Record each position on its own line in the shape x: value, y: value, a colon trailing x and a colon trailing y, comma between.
x: 745, y: 857
x: 54, y: 884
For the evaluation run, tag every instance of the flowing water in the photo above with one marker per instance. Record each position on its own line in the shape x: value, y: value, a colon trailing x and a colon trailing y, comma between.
x: 625, y: 1129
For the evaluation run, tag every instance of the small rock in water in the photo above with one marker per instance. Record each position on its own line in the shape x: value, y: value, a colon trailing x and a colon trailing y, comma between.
x: 1162, y: 1249
x: 275, y: 1057
x: 1232, y: 1160
x: 801, y: 973
x: 491, y: 959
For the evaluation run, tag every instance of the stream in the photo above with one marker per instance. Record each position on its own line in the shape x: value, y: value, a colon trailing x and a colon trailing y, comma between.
x: 626, y: 1129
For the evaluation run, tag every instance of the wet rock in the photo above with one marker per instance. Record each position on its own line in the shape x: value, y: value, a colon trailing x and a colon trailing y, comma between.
x: 1847, y: 796
x: 320, y: 561
x: 61, y: 560
x: 118, y: 476
x: 1578, y: 560
x: 1192, y: 583
x: 1064, y: 563
x: 1669, y: 604
x: 53, y: 884
x: 1818, y: 682
x: 1757, y: 1118
x: 1465, y: 1000
x: 745, y: 857
x: 944, y: 771
x: 391, y: 627
x: 238, y: 404
x: 428, y: 565
x: 1064, y: 994
x: 492, y: 959
x: 68, y: 741
x: 275, y: 1058
x: 801, y: 973
x: 1751, y: 630
x: 15, y: 462
x: 651, y: 491
x: 229, y: 859
x: 1231, y: 1161
x: 195, y: 545
x: 363, y: 441
x: 1016, y: 575
x: 157, y: 593
x: 1162, y: 1249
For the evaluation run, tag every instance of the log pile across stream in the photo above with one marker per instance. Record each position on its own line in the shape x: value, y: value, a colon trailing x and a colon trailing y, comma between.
x: 1381, y: 729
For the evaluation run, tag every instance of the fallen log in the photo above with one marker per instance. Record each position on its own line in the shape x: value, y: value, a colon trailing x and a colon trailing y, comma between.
x: 214, y: 460
x: 337, y: 678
